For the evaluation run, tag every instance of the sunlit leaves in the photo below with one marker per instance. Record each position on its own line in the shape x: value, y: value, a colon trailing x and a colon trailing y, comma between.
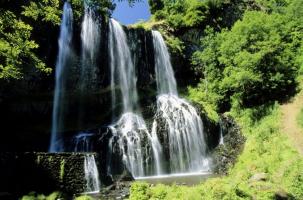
x: 16, y: 47
x: 255, y: 61
x: 47, y: 10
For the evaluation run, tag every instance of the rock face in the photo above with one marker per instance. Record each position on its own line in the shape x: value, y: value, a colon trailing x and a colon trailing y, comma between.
x: 225, y: 155
x: 22, y: 173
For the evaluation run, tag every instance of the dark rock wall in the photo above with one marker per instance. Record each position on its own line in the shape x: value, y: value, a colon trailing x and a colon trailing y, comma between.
x: 225, y: 156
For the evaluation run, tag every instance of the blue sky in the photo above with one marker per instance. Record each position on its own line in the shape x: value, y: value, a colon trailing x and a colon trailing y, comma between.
x: 129, y: 15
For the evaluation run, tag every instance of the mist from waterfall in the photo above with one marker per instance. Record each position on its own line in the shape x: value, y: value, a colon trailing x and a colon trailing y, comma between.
x: 65, y: 41
x: 187, y: 147
x: 130, y: 129
x: 90, y: 38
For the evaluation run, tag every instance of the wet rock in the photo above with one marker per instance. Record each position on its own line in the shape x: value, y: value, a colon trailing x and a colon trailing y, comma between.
x: 225, y: 156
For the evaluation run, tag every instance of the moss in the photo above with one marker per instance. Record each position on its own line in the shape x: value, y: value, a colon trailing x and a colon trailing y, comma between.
x: 38, y: 160
x: 62, y: 164
x: 147, y: 25
x: 50, y: 159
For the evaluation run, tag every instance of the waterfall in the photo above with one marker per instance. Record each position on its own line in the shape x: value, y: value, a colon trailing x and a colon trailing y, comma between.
x: 130, y: 130
x: 82, y: 142
x: 221, y: 140
x: 90, y: 38
x: 157, y: 149
x: 65, y: 40
x: 123, y: 72
x: 91, y: 174
x: 123, y: 76
x: 187, y: 147
x: 166, y: 82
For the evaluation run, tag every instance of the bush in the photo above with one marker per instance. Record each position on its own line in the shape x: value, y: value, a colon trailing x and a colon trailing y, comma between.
x: 140, y: 191
x: 34, y: 196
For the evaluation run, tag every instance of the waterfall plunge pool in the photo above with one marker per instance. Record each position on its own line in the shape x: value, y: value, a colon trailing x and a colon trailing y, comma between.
x: 179, y: 178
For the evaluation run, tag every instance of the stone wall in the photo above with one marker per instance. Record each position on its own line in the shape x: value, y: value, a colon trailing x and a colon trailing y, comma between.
x: 22, y: 173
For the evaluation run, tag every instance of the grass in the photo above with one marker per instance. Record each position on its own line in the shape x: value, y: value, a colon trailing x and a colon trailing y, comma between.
x: 267, y: 150
x: 147, y: 25
x: 300, y: 118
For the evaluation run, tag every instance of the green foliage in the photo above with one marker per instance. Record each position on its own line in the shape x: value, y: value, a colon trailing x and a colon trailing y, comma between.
x: 180, y: 13
x: 252, y: 63
x: 34, y: 196
x: 84, y: 198
x: 46, y: 10
x: 16, y: 47
x: 272, y: 5
x: 300, y: 118
x: 175, y: 44
x: 62, y: 165
x: 140, y: 191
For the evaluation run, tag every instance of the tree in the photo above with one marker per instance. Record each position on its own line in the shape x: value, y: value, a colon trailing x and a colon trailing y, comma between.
x: 252, y: 63
x: 16, y: 47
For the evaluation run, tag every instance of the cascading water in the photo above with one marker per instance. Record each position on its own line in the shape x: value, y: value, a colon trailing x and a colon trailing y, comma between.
x: 187, y: 148
x: 82, y: 142
x: 221, y: 140
x: 91, y: 174
x: 166, y: 82
x: 65, y: 40
x: 123, y: 73
x: 128, y: 128
x: 157, y: 149
x: 131, y: 129
x: 90, y: 37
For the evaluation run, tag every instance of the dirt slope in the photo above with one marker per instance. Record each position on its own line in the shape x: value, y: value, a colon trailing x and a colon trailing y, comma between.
x: 290, y: 126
